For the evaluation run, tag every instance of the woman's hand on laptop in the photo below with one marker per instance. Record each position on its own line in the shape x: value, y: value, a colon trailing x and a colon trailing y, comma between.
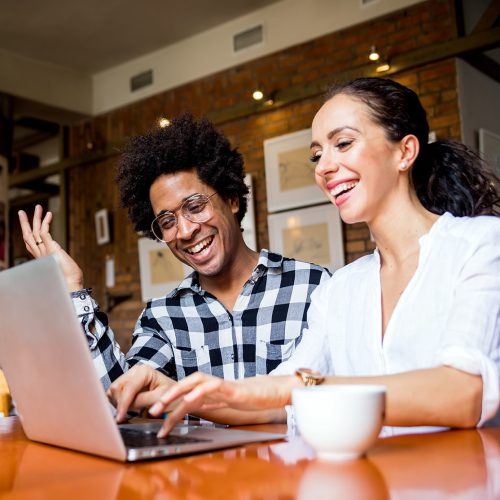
x: 138, y: 388
x: 39, y: 243
x: 200, y: 392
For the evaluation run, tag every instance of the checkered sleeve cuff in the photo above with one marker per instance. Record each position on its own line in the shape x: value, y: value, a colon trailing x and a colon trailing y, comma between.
x: 83, y: 302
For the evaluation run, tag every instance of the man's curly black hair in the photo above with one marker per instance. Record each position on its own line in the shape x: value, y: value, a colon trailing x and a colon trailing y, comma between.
x: 184, y: 145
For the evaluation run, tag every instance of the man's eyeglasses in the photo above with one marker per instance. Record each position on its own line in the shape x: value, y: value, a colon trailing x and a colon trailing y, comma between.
x: 196, y: 208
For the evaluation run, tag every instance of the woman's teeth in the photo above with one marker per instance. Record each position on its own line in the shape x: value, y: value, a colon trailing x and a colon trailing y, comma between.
x: 200, y: 246
x: 340, y: 188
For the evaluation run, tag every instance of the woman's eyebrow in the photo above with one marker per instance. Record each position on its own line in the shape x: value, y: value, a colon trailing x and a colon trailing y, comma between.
x: 334, y: 132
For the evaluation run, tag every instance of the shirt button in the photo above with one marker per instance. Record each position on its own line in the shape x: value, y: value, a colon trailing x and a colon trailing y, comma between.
x: 232, y: 356
x: 83, y: 296
x: 86, y: 308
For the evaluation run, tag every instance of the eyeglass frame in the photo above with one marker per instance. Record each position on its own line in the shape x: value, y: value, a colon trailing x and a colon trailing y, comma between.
x: 179, y: 208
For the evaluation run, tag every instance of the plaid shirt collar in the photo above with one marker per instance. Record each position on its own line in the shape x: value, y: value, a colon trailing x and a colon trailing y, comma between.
x: 267, y: 260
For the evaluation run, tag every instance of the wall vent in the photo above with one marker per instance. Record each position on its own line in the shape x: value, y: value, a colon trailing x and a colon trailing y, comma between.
x: 141, y: 80
x: 248, y: 38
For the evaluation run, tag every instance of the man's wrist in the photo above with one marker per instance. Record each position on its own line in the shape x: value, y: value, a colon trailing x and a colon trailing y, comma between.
x: 82, y: 301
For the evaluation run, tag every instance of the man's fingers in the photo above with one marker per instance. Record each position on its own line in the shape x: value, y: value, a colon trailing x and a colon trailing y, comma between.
x: 28, y: 237
x: 128, y: 390
x: 37, y: 221
x: 146, y: 399
x: 123, y: 402
x: 125, y: 392
x: 36, y: 235
x: 44, y: 233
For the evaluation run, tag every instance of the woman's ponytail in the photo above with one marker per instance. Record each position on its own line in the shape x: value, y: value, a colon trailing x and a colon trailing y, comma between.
x: 449, y: 177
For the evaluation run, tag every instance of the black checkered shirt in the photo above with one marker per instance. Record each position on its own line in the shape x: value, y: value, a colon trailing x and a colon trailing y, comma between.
x: 190, y: 330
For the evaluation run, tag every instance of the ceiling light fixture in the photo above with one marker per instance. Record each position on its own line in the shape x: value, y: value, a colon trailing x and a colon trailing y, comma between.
x: 374, y: 55
x: 258, y: 94
x: 163, y: 122
x: 383, y: 67
x: 270, y: 98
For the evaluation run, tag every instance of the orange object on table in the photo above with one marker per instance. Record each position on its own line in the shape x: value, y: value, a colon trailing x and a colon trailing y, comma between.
x: 4, y: 396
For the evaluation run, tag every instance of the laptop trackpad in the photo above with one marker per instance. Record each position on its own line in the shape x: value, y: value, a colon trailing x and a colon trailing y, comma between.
x: 140, y: 435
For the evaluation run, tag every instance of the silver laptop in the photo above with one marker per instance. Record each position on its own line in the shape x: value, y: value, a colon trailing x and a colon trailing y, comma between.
x: 58, y: 395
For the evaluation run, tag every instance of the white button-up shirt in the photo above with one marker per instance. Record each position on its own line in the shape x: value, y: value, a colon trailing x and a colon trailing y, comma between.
x: 449, y: 314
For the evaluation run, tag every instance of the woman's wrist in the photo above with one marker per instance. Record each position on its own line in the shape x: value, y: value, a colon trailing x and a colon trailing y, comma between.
x: 291, y: 382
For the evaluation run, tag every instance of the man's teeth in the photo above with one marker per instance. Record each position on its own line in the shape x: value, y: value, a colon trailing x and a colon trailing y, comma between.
x: 345, y: 186
x: 199, y: 246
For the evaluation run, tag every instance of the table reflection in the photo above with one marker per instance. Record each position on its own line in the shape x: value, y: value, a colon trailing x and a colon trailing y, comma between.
x: 458, y: 464
x: 44, y: 472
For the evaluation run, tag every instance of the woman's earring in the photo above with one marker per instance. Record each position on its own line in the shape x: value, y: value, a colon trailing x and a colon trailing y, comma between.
x: 403, y: 165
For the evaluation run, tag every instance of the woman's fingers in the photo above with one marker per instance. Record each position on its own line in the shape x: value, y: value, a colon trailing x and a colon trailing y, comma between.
x: 196, y: 392
x: 182, y: 388
x: 173, y: 417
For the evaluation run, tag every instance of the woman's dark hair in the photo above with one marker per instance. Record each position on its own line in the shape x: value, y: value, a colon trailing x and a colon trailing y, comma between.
x: 447, y: 176
x: 186, y: 144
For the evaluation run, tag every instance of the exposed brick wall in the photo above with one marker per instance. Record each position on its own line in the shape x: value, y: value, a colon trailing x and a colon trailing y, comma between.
x: 91, y: 186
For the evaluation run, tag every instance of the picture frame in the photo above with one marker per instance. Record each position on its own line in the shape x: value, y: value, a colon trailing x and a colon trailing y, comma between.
x: 489, y: 148
x: 102, y: 232
x: 4, y: 214
x: 290, y: 179
x: 160, y: 270
x: 248, y: 222
x: 312, y: 234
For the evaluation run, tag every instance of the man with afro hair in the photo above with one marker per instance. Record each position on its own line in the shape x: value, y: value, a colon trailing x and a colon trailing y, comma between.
x: 240, y: 313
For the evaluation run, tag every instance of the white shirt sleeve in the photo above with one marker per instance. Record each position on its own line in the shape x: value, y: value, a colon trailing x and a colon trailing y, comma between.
x: 471, y: 342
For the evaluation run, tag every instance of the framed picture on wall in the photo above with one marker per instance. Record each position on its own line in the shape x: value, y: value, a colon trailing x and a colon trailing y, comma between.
x: 4, y: 219
x: 312, y: 234
x: 489, y: 147
x: 289, y: 173
x: 102, y: 232
x: 248, y: 222
x: 159, y: 269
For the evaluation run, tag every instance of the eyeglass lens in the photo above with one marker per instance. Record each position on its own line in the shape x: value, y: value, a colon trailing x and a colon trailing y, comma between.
x: 197, y: 208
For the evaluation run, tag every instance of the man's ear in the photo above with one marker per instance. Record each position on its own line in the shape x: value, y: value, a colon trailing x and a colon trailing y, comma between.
x: 234, y: 203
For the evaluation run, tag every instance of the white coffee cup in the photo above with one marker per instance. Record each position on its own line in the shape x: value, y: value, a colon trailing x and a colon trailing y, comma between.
x: 339, y: 421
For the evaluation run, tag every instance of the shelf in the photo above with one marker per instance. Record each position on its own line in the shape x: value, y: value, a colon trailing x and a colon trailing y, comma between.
x: 20, y: 180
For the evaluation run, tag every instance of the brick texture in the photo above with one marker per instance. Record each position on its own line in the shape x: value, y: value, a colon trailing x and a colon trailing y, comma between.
x: 91, y: 186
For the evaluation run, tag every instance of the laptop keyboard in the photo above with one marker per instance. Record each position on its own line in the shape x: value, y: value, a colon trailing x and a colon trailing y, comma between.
x: 134, y: 438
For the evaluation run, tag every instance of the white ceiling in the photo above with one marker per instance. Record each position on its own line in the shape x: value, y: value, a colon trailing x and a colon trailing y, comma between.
x: 91, y: 35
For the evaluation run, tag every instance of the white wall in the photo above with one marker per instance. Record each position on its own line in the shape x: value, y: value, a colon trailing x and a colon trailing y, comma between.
x: 479, y: 102
x: 45, y: 83
x: 286, y: 23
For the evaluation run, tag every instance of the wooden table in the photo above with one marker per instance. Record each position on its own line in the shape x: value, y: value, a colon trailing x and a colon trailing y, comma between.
x: 458, y: 464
